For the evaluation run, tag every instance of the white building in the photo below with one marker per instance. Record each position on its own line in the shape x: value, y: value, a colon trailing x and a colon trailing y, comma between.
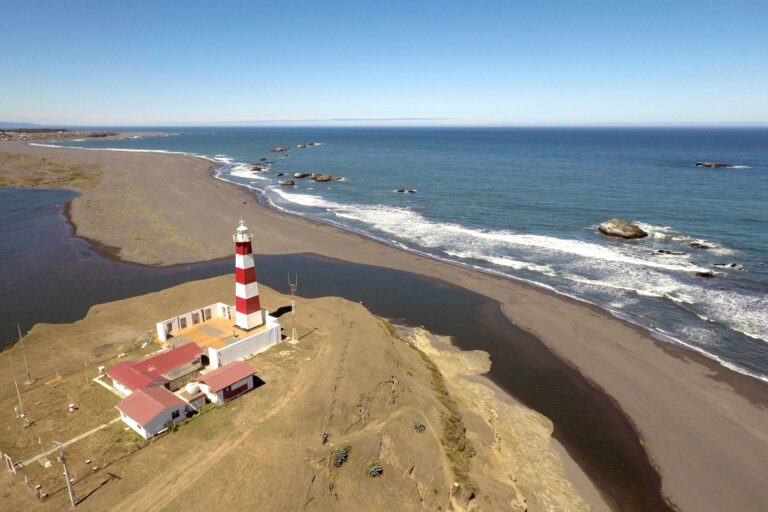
x: 148, y: 410
x: 227, y: 382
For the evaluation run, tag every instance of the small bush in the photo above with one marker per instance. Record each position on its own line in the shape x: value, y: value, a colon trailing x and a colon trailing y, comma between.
x: 419, y: 427
x: 340, y: 456
x: 375, y: 469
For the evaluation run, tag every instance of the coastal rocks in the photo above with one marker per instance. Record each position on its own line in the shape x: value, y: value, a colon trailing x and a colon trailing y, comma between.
x: 405, y: 191
x: 288, y: 183
x: 326, y: 177
x: 621, y: 229
x: 706, y: 274
x: 700, y: 245
x: 712, y: 165
x: 259, y: 168
x: 279, y: 149
x: 301, y: 146
x: 301, y: 175
x: 666, y: 252
x: 734, y: 266
x: 280, y: 174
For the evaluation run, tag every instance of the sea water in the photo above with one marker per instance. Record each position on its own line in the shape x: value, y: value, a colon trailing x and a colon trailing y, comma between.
x: 526, y: 202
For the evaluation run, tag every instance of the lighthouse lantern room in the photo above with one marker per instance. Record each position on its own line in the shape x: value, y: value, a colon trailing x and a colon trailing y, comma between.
x: 248, y: 312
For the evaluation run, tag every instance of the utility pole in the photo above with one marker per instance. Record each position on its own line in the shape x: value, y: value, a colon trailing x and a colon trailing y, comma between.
x: 63, y: 461
x: 20, y: 412
x: 18, y: 394
x: 30, y: 380
x: 294, y: 286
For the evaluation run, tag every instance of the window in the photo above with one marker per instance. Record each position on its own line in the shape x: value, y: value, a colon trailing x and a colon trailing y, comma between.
x: 182, y: 323
x: 169, y: 327
x: 195, y: 318
x: 174, y: 415
x: 207, y: 314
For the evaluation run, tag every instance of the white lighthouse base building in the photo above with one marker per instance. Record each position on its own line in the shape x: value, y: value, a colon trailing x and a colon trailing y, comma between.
x: 214, y: 329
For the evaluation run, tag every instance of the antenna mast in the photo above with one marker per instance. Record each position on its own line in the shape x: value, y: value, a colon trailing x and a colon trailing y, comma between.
x: 294, y: 286
x: 63, y: 461
x: 30, y: 380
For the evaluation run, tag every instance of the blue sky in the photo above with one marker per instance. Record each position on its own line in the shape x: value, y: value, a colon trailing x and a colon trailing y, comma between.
x: 585, y: 62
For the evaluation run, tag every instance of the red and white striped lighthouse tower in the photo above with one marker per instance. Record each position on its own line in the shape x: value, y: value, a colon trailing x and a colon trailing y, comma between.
x: 248, y: 306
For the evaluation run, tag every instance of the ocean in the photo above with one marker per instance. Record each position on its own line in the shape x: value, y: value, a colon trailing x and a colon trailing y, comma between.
x: 526, y: 202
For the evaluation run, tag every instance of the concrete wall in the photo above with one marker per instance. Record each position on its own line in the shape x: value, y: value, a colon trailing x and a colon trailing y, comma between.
x: 122, y: 389
x: 246, y: 347
x: 217, y: 310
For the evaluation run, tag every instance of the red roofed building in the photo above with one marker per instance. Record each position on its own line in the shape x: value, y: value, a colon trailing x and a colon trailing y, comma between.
x: 170, y: 368
x: 148, y: 410
x: 228, y: 381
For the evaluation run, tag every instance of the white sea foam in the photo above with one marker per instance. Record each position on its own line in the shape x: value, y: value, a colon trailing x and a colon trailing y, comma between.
x: 408, y: 224
x: 667, y: 233
x: 124, y: 150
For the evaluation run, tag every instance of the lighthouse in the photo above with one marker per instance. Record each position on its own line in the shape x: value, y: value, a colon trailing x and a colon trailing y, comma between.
x: 248, y: 307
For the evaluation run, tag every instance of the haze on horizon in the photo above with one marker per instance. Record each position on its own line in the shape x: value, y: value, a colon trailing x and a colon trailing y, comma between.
x: 444, y: 63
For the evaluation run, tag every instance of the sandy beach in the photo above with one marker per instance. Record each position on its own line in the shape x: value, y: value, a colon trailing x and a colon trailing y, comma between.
x: 705, y: 427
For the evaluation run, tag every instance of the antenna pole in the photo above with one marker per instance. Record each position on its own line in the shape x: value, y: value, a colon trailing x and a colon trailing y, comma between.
x: 18, y: 394
x: 63, y: 461
x: 30, y: 380
x: 294, y: 286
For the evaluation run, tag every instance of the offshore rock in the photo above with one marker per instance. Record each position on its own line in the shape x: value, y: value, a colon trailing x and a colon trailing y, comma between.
x: 621, y: 229
x: 288, y: 183
x: 713, y: 165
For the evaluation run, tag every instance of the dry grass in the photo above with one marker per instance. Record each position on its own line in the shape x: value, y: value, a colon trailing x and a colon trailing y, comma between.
x: 33, y: 171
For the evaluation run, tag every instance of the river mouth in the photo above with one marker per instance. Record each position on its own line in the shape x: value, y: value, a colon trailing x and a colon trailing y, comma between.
x: 64, y: 276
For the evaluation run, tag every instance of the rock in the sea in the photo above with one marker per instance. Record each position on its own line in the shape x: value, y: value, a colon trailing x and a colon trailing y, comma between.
x: 323, y: 177
x: 280, y: 174
x: 301, y: 175
x: 700, y: 245
x: 400, y: 190
x: 263, y: 159
x: 706, y: 274
x: 713, y: 165
x: 669, y: 253
x: 622, y: 229
x: 279, y: 149
x: 301, y: 146
x: 288, y: 183
x: 729, y: 265
x: 412, y: 191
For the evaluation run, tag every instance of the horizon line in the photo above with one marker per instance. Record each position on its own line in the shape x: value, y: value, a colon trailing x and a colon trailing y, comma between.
x: 275, y: 123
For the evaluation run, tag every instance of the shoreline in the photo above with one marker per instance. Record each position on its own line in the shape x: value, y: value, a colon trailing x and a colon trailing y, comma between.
x: 616, y: 359
x: 658, y: 336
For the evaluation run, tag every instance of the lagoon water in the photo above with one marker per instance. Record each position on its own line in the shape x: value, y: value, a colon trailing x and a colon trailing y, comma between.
x: 526, y: 202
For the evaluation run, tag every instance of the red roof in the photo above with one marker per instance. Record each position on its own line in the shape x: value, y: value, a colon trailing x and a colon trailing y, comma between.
x: 227, y: 375
x: 140, y: 374
x: 128, y: 377
x: 143, y: 405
